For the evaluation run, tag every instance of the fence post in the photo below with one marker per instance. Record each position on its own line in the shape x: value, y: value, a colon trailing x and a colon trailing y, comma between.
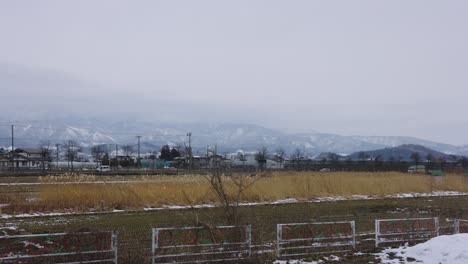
x: 278, y: 239
x: 436, y: 223
x: 153, y: 245
x: 249, y: 238
x: 456, y: 226
x: 114, y: 246
x: 353, y: 226
x: 377, y: 232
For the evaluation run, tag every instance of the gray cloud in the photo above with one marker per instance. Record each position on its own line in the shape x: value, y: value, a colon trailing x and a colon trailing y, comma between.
x: 350, y: 67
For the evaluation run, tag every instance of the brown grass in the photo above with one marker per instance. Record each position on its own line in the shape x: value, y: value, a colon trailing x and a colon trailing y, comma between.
x: 153, y: 191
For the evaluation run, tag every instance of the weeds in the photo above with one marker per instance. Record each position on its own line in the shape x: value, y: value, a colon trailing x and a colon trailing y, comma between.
x: 84, y: 193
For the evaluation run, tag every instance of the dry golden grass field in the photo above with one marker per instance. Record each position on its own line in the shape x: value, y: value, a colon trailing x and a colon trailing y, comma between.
x: 84, y: 192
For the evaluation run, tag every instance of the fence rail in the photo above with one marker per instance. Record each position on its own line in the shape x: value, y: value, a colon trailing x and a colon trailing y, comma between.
x: 201, y: 244
x: 221, y: 243
x: 391, y: 231
x: 460, y: 226
x: 300, y: 239
x: 83, y: 247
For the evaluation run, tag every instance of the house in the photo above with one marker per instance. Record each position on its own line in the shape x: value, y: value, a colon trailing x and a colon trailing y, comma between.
x: 202, y: 162
x: 28, y: 158
x: 122, y: 161
x: 4, y: 159
x: 4, y: 163
x: 417, y: 169
x: 435, y: 172
x: 199, y: 162
x: 4, y: 153
x: 272, y: 163
x: 249, y: 160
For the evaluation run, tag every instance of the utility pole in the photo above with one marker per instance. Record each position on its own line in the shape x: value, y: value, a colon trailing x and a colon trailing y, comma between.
x: 207, y: 157
x: 189, y: 135
x: 216, y: 156
x: 117, y: 155
x: 138, y: 159
x: 57, y: 153
x: 13, y: 147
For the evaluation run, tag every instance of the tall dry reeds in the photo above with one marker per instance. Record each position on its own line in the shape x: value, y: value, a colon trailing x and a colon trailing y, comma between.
x: 139, y: 192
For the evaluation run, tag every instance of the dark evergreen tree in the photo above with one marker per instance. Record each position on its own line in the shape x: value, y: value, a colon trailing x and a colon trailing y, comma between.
x: 174, y: 153
x: 165, y: 153
x: 105, y: 159
x: 415, y: 157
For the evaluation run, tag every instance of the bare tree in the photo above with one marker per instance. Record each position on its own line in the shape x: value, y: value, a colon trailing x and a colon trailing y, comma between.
x: 182, y: 149
x: 281, y: 154
x: 261, y: 157
x: 362, y: 155
x: 46, y: 153
x: 415, y: 157
x: 57, y: 154
x: 72, y: 150
x: 297, y: 154
x: 128, y: 150
x: 429, y: 157
x: 98, y: 152
x: 230, y: 196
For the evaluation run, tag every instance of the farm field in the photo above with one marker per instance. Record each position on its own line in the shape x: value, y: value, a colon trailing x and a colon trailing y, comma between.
x: 133, y: 205
x: 134, y: 228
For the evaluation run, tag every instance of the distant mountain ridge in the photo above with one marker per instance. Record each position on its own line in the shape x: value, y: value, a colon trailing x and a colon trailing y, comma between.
x: 403, y: 152
x: 227, y: 137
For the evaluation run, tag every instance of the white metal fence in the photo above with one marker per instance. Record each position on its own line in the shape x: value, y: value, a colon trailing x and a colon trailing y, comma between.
x: 392, y: 231
x: 201, y: 244
x: 460, y: 226
x: 215, y: 244
x: 301, y: 239
x: 83, y: 247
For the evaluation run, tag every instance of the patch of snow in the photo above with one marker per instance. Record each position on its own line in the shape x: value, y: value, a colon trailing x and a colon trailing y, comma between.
x: 6, y: 216
x: 286, y: 201
x: 10, y: 227
x: 332, y: 258
x: 451, y: 249
x: 438, y: 193
x: 294, y: 261
x: 28, y: 243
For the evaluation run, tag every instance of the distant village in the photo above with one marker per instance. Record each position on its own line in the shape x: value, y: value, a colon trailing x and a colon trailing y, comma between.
x: 101, y: 158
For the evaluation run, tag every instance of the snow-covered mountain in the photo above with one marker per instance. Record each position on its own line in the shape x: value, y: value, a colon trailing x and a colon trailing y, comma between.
x: 403, y: 152
x: 227, y: 137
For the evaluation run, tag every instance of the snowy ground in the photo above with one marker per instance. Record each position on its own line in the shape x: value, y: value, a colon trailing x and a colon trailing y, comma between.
x: 295, y: 262
x: 329, y: 259
x: 451, y: 249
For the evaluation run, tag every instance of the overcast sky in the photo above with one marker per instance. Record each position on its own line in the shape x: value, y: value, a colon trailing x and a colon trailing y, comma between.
x: 347, y: 67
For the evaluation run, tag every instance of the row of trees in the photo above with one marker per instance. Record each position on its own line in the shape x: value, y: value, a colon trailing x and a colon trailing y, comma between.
x: 71, y: 152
